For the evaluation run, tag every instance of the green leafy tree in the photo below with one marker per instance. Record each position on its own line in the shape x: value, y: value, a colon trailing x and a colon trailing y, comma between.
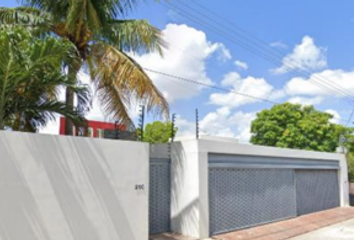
x: 350, y: 159
x: 294, y: 126
x: 30, y: 77
x: 158, y: 132
x: 102, y: 36
x: 350, y: 156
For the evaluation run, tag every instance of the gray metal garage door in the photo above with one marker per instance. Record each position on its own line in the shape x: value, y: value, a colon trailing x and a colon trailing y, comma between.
x: 159, y: 199
x: 246, y: 191
x: 316, y: 190
x: 241, y: 198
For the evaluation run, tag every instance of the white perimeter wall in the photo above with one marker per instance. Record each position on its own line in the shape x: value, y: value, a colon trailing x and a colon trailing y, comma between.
x: 72, y: 188
x: 190, y: 196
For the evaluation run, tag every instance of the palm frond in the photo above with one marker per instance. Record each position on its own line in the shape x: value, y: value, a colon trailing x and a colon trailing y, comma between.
x: 134, y: 35
x: 122, y: 74
x: 114, y: 8
x: 30, y: 75
x: 40, y: 113
x: 38, y: 22
x: 114, y: 103
x: 83, y: 95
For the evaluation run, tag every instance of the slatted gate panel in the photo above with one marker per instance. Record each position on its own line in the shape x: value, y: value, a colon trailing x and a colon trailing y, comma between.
x: 241, y: 198
x: 159, y: 198
x: 316, y: 190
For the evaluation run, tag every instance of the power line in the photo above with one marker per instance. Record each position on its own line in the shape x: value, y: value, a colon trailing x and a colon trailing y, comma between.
x: 219, y: 88
x: 255, y: 40
x: 215, y: 87
x: 350, y: 117
x: 270, y: 59
x: 209, y: 85
x: 298, y: 66
x: 214, y: 67
x: 328, y: 82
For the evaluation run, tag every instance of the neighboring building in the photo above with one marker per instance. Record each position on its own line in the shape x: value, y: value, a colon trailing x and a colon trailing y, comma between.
x: 93, y: 128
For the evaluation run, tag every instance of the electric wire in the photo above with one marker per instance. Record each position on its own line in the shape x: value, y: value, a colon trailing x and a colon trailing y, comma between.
x: 212, y: 86
x: 350, y: 117
x: 298, y: 66
x: 257, y: 42
x: 219, y: 88
x: 270, y: 59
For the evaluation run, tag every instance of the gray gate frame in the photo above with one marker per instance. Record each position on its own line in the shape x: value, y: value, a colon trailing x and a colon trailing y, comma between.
x: 190, y: 172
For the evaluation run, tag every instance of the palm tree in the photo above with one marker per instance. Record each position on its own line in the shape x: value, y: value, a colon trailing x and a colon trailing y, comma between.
x: 30, y: 77
x: 102, y: 37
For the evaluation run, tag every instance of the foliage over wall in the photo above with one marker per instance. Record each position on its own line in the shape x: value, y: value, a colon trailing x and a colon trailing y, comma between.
x: 294, y: 126
x: 301, y: 127
x: 158, y: 132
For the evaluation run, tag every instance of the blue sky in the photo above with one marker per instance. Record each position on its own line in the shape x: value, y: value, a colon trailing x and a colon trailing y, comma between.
x: 318, y: 35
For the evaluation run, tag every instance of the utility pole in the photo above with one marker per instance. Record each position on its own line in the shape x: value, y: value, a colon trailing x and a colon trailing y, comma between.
x: 196, y: 123
x: 172, y: 134
x: 116, y: 126
x: 141, y: 122
x: 173, y: 127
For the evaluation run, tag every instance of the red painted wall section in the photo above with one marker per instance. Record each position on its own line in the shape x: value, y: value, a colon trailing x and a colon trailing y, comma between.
x: 95, y: 125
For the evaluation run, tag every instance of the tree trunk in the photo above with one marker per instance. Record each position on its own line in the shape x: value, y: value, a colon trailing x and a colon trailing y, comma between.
x: 69, y: 96
x: 69, y: 99
x: 1, y: 123
x: 17, y: 123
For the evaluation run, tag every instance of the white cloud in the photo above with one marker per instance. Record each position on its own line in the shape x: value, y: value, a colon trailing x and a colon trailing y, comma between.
x: 182, y: 39
x: 305, y: 56
x: 224, y: 54
x: 306, y: 101
x: 185, y: 127
x: 277, y: 94
x: 217, y: 123
x: 336, y: 116
x: 251, y: 86
x: 221, y: 123
x: 241, y: 65
x: 329, y: 78
x: 231, y: 79
x: 279, y: 44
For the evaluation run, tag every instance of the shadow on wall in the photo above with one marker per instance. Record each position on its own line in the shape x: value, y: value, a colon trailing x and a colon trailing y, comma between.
x: 184, y: 218
x: 187, y: 217
x: 60, y: 191
x: 178, y: 164
x: 19, y: 213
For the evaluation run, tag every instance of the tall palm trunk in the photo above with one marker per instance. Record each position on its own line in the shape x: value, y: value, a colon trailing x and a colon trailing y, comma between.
x: 69, y: 98
x: 1, y: 122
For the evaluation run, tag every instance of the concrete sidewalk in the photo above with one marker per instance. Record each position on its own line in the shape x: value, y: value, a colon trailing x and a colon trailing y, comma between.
x: 300, y: 226
x: 339, y: 231
x: 292, y: 227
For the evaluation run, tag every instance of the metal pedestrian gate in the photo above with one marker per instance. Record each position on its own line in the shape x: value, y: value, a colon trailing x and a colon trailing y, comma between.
x: 159, y: 196
x: 248, y: 191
